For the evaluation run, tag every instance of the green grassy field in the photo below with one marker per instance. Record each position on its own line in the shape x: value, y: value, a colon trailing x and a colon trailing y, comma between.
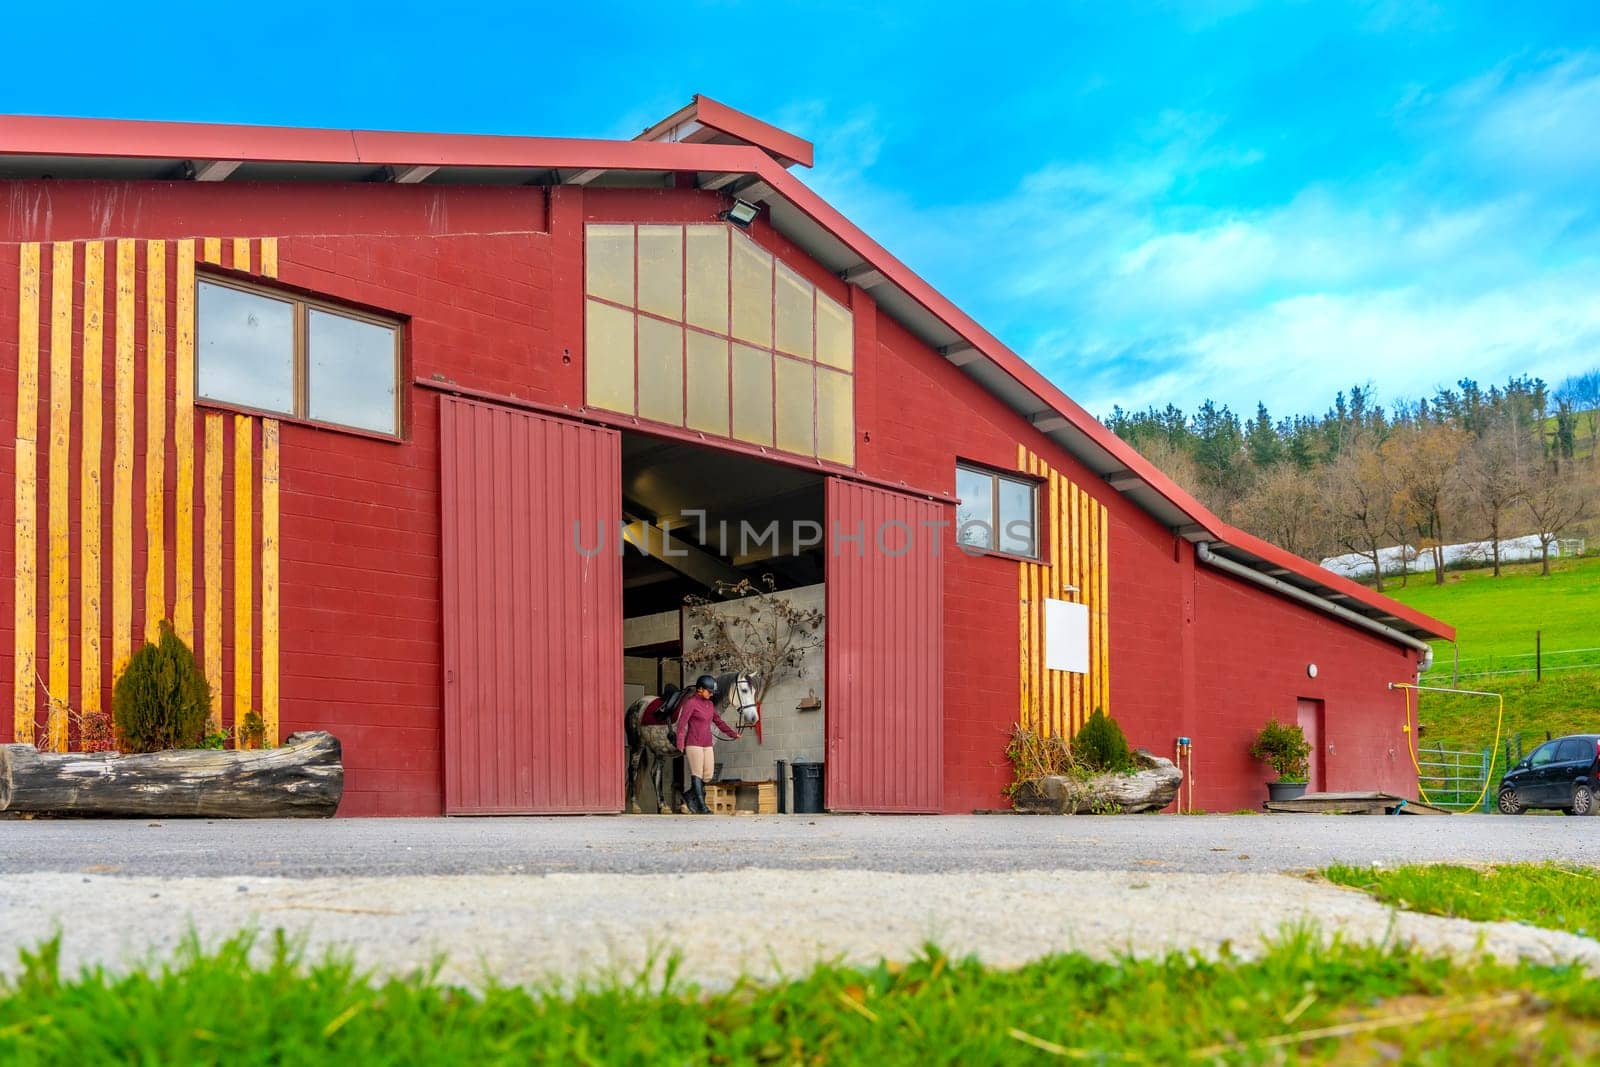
x: 1302, y: 1001
x: 1495, y: 620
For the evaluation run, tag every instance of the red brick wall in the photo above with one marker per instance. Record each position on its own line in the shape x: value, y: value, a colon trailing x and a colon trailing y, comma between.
x: 490, y: 282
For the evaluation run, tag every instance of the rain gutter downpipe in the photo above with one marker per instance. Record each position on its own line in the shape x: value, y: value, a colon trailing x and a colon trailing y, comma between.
x: 1203, y: 551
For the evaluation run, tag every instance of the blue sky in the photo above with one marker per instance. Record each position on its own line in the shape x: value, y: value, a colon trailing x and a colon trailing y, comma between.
x: 1152, y: 202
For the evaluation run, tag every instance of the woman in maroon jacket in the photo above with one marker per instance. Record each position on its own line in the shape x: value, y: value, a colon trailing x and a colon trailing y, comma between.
x: 695, y: 717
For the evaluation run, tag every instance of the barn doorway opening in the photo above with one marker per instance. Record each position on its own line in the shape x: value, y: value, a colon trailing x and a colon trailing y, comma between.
x: 724, y: 569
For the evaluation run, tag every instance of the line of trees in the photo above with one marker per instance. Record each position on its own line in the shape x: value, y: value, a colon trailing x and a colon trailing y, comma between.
x: 1467, y: 463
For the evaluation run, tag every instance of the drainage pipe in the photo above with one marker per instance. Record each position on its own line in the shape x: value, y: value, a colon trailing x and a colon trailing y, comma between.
x: 1293, y: 592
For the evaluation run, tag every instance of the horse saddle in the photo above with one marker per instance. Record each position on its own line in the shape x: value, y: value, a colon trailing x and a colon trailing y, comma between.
x: 663, y: 711
x: 670, y: 705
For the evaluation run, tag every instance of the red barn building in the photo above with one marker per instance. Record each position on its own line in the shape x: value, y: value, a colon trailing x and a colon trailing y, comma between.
x: 365, y: 415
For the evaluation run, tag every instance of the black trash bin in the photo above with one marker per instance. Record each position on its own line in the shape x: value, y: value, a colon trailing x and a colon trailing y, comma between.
x: 808, y: 797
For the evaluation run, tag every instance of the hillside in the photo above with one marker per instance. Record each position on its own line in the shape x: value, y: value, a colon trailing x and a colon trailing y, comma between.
x: 1495, y: 621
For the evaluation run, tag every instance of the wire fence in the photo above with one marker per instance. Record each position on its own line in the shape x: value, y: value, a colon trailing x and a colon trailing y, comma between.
x: 1539, y: 662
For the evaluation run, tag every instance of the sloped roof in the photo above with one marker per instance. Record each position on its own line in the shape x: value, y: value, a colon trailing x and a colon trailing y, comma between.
x: 724, y: 150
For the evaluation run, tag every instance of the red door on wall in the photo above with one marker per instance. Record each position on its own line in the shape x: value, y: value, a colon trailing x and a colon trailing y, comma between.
x: 1310, y: 713
x: 885, y: 637
x: 530, y: 509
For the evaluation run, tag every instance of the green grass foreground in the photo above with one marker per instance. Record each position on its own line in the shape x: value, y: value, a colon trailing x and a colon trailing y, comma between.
x: 1304, y: 1002
x: 1551, y: 895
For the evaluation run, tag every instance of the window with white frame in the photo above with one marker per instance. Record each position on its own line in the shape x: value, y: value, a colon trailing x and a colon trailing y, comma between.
x: 279, y: 352
x: 997, y: 513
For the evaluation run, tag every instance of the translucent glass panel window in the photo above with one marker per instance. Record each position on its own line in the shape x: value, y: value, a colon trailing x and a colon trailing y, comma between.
x: 997, y: 513
x: 276, y: 352
x: 700, y: 327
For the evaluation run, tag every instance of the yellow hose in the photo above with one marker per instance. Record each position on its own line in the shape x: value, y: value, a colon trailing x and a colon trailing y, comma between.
x: 1411, y: 735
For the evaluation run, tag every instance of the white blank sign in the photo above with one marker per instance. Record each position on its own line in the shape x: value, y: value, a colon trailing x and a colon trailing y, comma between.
x: 1066, y: 636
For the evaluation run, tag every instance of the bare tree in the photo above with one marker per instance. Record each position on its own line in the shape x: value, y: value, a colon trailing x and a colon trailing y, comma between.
x: 1557, y: 500
x: 1582, y: 392
x: 1360, y: 500
x: 1176, y: 463
x: 1285, y: 506
x: 1496, y: 473
x: 755, y: 629
x: 1424, y: 461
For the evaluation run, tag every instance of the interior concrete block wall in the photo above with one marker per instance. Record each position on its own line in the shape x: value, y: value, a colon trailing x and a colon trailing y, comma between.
x: 786, y: 732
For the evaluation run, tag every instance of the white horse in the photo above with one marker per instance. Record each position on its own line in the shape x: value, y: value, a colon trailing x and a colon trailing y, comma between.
x: 657, y: 741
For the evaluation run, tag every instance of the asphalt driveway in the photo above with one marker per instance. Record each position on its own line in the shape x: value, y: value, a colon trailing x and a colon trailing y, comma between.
x: 649, y: 844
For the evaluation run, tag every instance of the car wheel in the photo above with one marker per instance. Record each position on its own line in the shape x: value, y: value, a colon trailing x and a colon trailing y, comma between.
x: 1582, y: 801
x: 1510, y: 803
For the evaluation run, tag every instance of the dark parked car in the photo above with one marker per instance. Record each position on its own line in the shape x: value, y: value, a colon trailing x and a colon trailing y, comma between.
x: 1563, y: 774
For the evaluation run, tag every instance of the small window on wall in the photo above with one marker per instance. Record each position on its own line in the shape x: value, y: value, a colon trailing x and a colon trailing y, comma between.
x: 278, y: 352
x: 997, y: 513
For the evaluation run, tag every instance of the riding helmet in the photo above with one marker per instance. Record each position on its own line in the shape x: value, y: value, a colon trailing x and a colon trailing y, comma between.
x: 706, y: 682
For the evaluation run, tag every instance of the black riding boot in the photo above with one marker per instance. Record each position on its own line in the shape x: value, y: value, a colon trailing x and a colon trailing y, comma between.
x: 697, y: 792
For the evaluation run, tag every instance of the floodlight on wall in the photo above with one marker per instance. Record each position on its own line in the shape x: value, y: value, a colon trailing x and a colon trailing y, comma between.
x: 742, y: 213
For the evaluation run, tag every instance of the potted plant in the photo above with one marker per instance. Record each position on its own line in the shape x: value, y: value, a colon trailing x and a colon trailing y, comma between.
x: 1285, y: 748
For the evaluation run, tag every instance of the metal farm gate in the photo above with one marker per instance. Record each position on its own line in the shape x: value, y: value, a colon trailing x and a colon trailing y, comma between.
x: 885, y: 662
x: 532, y: 624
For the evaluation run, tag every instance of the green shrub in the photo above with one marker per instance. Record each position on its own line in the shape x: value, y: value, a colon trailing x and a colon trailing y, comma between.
x: 162, y: 699
x: 1285, y: 748
x: 1100, y: 745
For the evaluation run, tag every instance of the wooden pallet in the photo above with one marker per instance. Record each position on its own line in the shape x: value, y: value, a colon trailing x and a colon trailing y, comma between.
x: 1352, y: 804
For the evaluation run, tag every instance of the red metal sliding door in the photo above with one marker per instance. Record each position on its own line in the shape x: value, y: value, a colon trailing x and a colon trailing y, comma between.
x: 530, y: 507
x: 885, y: 634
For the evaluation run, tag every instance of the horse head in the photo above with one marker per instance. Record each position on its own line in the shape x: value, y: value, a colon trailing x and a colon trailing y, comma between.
x: 741, y: 697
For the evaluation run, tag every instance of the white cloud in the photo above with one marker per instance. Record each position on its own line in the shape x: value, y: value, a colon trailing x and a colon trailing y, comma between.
x: 1547, y: 121
x: 1112, y: 281
x: 1408, y: 340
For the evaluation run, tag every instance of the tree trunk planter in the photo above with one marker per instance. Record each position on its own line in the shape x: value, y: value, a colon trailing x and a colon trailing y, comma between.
x: 301, y: 779
x: 1151, y: 786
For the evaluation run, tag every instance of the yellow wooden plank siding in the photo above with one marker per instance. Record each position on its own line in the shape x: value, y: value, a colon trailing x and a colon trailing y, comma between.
x: 1071, y: 535
x: 155, y: 441
x: 183, y: 440
x: 211, y: 646
x: 122, y: 466
x: 1041, y: 574
x: 1073, y: 543
x: 243, y: 568
x: 1026, y: 713
x: 1102, y: 644
x: 25, y: 632
x: 89, y: 480
x: 62, y: 261
x: 1050, y: 542
x: 78, y: 357
x: 269, y: 579
x: 1086, y: 597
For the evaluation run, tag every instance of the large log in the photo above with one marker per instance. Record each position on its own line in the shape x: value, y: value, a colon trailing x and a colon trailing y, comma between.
x: 301, y: 779
x: 1151, y: 786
